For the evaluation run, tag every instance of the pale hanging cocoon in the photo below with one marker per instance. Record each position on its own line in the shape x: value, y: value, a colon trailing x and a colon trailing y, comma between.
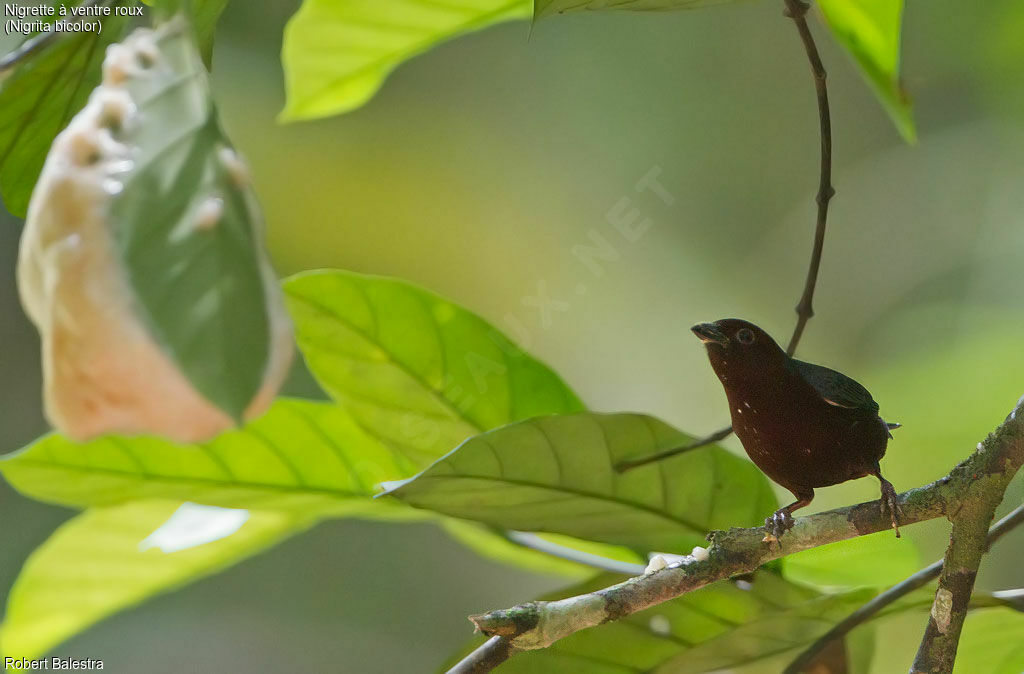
x: 141, y: 262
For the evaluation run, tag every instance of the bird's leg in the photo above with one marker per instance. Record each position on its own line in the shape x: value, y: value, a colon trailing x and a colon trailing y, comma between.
x: 890, y: 503
x: 782, y: 520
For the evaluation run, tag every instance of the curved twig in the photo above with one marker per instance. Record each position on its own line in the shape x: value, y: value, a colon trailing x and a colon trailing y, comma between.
x: 796, y: 10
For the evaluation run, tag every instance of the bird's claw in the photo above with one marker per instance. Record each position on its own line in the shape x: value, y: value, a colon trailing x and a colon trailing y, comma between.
x: 776, y: 525
x: 890, y: 504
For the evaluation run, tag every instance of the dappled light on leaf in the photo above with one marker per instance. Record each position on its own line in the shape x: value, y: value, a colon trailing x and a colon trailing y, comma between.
x: 414, y: 370
x: 192, y: 525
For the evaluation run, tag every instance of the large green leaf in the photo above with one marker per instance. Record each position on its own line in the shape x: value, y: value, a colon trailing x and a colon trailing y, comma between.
x: 555, y: 474
x: 301, y: 457
x: 337, y: 53
x: 187, y: 230
x: 97, y: 564
x: 38, y: 98
x: 415, y: 370
x: 870, y: 31
x: 719, y: 627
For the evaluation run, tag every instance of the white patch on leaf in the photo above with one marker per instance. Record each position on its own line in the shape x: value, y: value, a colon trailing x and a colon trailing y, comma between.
x: 193, y: 525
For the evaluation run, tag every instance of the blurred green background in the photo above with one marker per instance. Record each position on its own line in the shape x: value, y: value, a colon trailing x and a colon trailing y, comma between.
x: 477, y: 170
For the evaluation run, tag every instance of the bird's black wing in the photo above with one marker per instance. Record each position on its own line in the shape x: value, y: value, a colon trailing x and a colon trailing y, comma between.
x: 835, y: 387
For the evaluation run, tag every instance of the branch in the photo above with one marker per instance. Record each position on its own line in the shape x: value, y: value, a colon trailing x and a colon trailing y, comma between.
x: 966, y: 491
x: 968, y: 543
x: 494, y: 652
x: 796, y: 10
x: 892, y: 595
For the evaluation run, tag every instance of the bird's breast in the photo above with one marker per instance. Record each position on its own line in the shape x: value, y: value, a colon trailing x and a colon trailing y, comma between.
x: 803, y: 441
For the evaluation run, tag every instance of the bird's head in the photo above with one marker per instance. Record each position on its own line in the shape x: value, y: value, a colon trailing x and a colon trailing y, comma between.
x: 738, y: 348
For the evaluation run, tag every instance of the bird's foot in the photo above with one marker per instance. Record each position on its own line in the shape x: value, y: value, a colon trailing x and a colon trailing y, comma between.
x: 891, y: 505
x: 776, y: 525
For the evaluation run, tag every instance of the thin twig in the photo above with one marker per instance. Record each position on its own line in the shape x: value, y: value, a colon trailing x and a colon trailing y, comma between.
x: 890, y: 596
x: 796, y: 10
x: 963, y: 495
x: 535, y: 542
x: 629, y: 464
x: 38, y: 43
x: 485, y: 658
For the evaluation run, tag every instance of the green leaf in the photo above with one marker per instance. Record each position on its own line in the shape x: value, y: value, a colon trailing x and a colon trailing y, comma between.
x: 544, y: 8
x: 869, y: 30
x: 416, y: 371
x: 555, y: 474
x: 993, y: 642
x: 199, y: 279
x: 204, y: 15
x: 337, y: 53
x: 38, y: 98
x: 94, y: 566
x: 300, y: 457
x: 877, y: 560
x: 719, y: 627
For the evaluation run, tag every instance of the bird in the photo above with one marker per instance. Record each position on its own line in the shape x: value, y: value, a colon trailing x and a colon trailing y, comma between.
x: 805, y: 426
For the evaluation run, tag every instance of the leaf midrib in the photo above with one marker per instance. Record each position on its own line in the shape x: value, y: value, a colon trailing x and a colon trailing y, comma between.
x: 699, y: 530
x: 150, y: 477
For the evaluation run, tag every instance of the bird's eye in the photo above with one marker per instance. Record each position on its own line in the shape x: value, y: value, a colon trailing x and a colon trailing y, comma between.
x: 745, y: 336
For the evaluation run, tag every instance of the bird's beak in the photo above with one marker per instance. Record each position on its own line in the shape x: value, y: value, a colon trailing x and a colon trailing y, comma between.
x: 710, y: 333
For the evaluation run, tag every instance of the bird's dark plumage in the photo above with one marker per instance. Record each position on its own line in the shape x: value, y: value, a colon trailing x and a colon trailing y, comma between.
x: 804, y: 425
x: 835, y: 387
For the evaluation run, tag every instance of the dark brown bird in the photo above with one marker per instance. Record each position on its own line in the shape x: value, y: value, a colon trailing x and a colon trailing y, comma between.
x: 805, y: 426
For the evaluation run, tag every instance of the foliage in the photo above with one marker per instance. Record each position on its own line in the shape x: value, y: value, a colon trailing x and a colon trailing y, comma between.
x: 869, y: 30
x: 416, y: 383
x: 417, y: 372
x: 96, y: 564
x: 303, y: 460
x: 556, y: 474
x: 37, y: 100
x: 338, y: 52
